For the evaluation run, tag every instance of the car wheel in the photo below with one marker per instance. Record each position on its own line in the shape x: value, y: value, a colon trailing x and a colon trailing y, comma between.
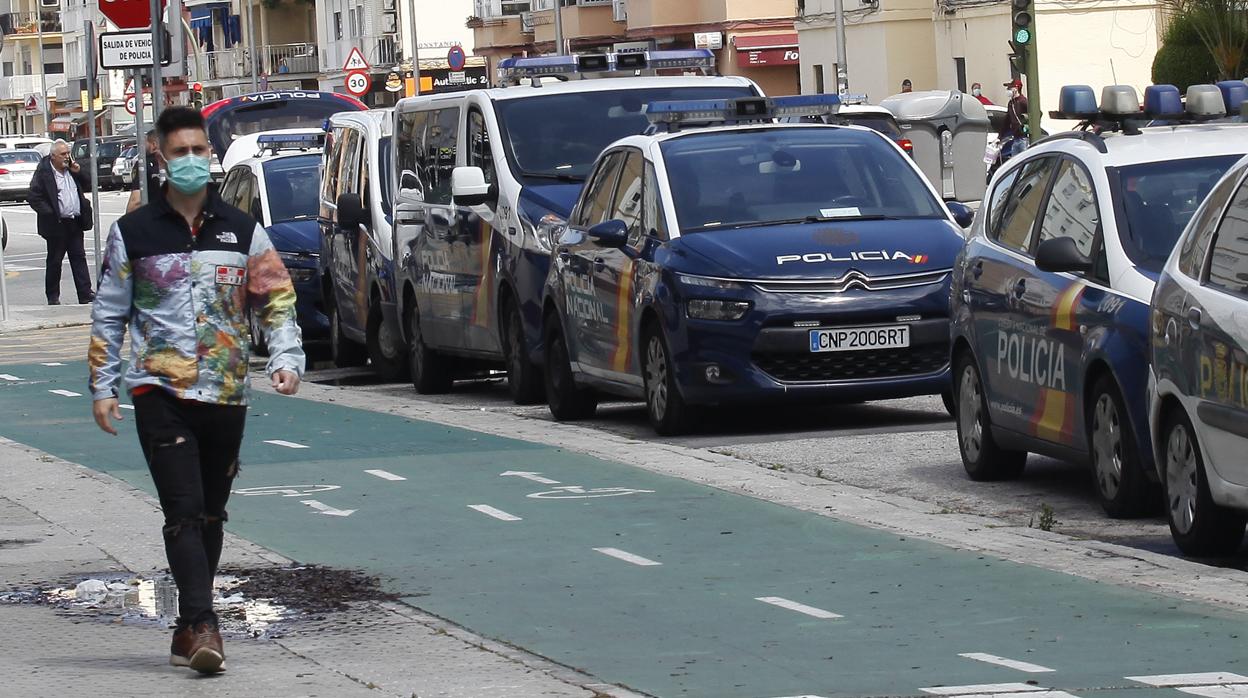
x: 1199, y: 526
x: 1121, y: 485
x: 524, y: 380
x: 258, y: 345
x: 982, y: 458
x: 567, y: 402
x: 431, y: 374
x: 385, y: 350
x: 344, y: 352
x: 669, y: 414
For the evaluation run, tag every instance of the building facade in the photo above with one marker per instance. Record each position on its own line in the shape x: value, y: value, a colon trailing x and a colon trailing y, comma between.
x: 32, y: 64
x: 752, y: 38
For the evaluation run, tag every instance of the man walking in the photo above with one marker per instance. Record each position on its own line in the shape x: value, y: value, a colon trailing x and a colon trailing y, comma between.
x: 184, y: 272
x: 1013, y: 134
x: 58, y: 196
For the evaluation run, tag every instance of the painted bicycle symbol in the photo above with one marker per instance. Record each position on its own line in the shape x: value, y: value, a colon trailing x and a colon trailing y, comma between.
x: 285, y: 490
x: 578, y: 492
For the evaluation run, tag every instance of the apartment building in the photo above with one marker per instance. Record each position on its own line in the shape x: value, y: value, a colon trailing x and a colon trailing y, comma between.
x: 753, y: 38
x: 951, y: 44
x: 70, y: 119
x: 32, y: 64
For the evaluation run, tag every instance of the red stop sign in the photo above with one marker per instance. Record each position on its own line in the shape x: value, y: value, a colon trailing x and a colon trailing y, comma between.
x: 129, y: 14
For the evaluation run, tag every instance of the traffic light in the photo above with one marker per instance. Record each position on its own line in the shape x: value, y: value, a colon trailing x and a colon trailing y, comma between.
x: 1022, y: 19
x: 197, y: 95
x: 1018, y: 57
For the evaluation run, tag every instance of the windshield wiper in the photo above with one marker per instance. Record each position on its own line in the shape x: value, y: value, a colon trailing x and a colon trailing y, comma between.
x: 797, y: 221
x: 553, y: 176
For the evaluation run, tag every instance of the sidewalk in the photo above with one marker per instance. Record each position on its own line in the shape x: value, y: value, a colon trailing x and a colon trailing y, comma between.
x: 37, y: 317
x: 61, y: 523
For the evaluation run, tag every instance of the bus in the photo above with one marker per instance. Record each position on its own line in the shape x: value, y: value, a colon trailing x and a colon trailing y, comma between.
x: 229, y: 118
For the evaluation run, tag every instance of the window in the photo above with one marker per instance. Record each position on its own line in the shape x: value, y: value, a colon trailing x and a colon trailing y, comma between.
x: 479, y: 153
x: 818, y: 72
x: 653, y: 221
x: 409, y: 151
x: 441, y: 147
x: 959, y: 68
x: 229, y: 188
x: 290, y: 185
x: 628, y: 193
x: 1192, y: 255
x: 1018, y: 222
x: 337, y: 25
x: 329, y: 179
x: 598, y: 194
x: 349, y: 165
x: 1072, y: 211
x: 359, y: 18
x: 1228, y: 262
x: 996, y: 207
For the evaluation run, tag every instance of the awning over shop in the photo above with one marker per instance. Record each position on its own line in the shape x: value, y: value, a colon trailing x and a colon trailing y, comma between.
x: 66, y: 122
x: 767, y: 49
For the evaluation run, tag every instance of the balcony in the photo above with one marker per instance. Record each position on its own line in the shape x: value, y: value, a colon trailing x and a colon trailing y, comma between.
x: 500, y: 32
x: 586, y: 19
x: 18, y: 87
x: 276, y: 59
x: 24, y: 25
x: 380, y: 50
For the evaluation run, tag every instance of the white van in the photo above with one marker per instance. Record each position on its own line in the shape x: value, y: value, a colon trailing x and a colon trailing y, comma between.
x: 482, y: 178
x: 39, y: 143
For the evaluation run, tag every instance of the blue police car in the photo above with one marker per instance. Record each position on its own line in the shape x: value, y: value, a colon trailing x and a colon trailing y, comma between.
x: 1050, y: 298
x: 726, y: 258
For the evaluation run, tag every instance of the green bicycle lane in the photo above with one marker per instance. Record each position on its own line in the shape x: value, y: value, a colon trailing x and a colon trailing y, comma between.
x: 747, y: 598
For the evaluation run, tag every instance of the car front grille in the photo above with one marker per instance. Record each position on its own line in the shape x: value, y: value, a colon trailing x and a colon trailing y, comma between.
x: 853, y: 365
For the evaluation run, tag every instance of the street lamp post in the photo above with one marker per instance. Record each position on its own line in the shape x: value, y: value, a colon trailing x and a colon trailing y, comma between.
x: 559, y: 47
x: 43, y: 76
x: 842, y: 71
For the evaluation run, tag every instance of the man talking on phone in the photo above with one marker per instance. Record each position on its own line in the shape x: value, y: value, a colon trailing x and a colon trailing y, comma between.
x: 183, y: 272
x: 58, y: 196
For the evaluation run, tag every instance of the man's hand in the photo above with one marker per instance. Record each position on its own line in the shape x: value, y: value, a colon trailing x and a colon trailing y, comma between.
x: 107, y: 410
x: 74, y: 166
x: 285, y: 382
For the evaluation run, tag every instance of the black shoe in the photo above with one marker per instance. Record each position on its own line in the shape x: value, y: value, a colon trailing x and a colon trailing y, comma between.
x: 87, y: 300
x: 54, y: 301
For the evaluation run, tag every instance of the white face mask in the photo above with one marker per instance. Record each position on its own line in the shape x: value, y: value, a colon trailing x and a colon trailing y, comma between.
x: 1013, y: 92
x: 976, y: 91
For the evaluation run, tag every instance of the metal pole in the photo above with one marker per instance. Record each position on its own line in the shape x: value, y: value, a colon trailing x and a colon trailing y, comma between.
x: 842, y: 70
x: 251, y: 44
x: 4, y: 290
x: 158, y: 80
x: 140, y: 138
x: 199, y: 64
x: 1033, y: 79
x: 415, y: 54
x: 43, y: 77
x: 559, y: 48
x: 89, y: 54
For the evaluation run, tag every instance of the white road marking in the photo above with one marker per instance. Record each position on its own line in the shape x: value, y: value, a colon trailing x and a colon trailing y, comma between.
x: 287, y: 444
x: 326, y: 509
x: 65, y: 393
x: 385, y: 475
x: 53, y: 363
x: 496, y: 513
x: 799, y: 607
x: 982, y: 689
x: 628, y: 557
x: 534, y: 477
x: 1208, y: 678
x: 1008, y: 663
x: 1237, y: 690
x: 9, y: 377
x: 284, y: 490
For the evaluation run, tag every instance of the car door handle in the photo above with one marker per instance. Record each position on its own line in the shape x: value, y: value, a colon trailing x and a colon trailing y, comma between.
x: 1193, y: 318
x: 599, y: 264
x: 564, y: 256
x: 1020, y: 288
x: 977, y: 270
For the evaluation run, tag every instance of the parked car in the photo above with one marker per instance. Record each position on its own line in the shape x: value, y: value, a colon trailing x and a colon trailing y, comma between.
x: 1199, y: 373
x: 107, y: 149
x: 17, y: 167
x: 123, y: 166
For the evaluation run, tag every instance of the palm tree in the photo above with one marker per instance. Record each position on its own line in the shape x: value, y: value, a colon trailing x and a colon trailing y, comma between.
x: 1222, y: 26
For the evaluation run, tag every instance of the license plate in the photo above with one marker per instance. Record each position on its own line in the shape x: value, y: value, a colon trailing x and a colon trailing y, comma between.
x: 860, y: 338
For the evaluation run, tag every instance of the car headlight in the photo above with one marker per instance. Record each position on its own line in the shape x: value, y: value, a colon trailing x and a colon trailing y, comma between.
x: 300, y: 275
x: 710, y: 309
x: 546, y: 231
x: 708, y: 282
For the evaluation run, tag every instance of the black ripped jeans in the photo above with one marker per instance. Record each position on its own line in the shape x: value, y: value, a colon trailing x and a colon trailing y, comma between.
x: 192, y: 453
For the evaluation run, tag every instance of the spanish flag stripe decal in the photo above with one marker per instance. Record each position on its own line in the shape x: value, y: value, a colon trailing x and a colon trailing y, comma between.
x: 623, y: 311
x: 481, y: 302
x: 1065, y: 310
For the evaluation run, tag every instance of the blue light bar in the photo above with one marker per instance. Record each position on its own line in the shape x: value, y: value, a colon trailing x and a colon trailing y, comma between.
x: 692, y: 58
x: 512, y: 70
x: 291, y: 141
x: 740, y: 110
x: 1163, y: 102
x: 1076, y: 102
x: 1234, y: 94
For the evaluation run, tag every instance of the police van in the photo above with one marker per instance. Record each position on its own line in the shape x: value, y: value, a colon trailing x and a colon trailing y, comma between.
x: 478, y: 172
x: 1050, y: 297
x: 727, y: 259
x: 357, y: 272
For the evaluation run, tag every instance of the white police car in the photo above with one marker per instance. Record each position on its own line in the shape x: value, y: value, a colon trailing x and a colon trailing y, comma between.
x: 1050, y: 295
x: 276, y: 178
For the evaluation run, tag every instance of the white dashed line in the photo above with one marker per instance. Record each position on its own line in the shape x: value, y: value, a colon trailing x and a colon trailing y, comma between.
x: 385, y: 475
x: 9, y: 377
x: 1237, y: 690
x: 52, y: 363
x: 1008, y: 663
x: 1208, y: 678
x: 628, y: 557
x: 65, y: 393
x: 983, y: 689
x: 496, y: 513
x: 326, y: 509
x: 799, y: 607
x: 286, y: 444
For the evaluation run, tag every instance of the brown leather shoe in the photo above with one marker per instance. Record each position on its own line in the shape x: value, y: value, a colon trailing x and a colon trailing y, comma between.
x: 182, y: 645
x: 208, y: 653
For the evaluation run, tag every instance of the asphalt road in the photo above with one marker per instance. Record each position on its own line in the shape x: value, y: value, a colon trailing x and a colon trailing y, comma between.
x: 661, y: 584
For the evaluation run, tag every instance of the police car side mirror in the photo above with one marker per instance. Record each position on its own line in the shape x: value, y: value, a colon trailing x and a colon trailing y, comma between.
x: 469, y: 188
x: 1061, y: 254
x: 962, y: 214
x: 351, y: 212
x: 612, y: 233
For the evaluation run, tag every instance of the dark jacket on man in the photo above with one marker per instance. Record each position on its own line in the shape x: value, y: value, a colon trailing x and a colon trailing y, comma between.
x: 43, y: 199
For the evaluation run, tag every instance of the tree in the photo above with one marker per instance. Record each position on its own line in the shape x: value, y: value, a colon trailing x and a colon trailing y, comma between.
x: 1222, y: 27
x: 1182, y: 60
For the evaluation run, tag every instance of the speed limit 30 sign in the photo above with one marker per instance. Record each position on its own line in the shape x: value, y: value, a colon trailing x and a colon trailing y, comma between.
x: 359, y: 83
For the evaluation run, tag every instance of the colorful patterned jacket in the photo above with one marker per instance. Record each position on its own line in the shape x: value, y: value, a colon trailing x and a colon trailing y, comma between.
x: 186, y: 299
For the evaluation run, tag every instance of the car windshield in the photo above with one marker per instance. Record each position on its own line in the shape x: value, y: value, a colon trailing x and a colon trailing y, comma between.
x: 20, y: 157
x: 1158, y: 199
x: 736, y: 179
x: 108, y: 150
x: 876, y: 122
x: 559, y: 136
x: 293, y: 186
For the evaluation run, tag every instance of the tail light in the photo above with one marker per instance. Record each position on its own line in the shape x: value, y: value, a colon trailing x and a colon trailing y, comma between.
x: 3, y: 171
x: 906, y: 145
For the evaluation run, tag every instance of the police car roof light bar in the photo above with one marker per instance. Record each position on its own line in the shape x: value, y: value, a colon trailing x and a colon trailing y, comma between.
x: 673, y: 115
x: 1234, y: 93
x: 293, y: 141
x: 1077, y: 103
x: 1120, y: 101
x: 1205, y: 102
x: 513, y: 70
x: 1163, y: 102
